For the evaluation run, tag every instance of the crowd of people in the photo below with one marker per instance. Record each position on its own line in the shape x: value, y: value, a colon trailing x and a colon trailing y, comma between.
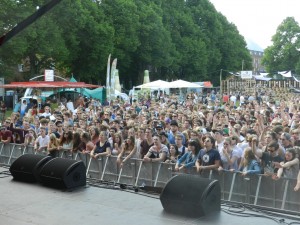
x: 250, y: 134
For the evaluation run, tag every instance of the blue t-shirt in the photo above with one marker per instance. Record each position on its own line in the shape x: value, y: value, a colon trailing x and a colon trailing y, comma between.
x: 208, y: 158
x: 101, y: 149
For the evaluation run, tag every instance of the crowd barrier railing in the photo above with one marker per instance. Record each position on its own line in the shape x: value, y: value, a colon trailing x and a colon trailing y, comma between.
x: 257, y: 190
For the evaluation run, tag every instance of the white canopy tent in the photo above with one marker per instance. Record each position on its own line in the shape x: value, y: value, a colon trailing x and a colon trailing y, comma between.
x: 160, y: 85
x: 155, y: 84
x: 183, y: 84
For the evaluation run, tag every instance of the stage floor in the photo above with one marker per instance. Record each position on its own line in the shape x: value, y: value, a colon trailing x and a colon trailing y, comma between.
x: 27, y: 204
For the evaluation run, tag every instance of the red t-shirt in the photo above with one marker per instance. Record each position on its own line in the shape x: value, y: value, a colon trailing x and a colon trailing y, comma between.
x: 225, y: 98
x: 4, y: 135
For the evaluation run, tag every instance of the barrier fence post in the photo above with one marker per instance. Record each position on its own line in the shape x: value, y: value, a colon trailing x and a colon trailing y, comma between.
x: 138, y: 175
x: 118, y: 181
x: 157, y: 174
x: 11, y: 153
x: 105, y: 165
x: 257, y: 190
x: 284, y: 194
x: 231, y: 187
x: 88, y: 167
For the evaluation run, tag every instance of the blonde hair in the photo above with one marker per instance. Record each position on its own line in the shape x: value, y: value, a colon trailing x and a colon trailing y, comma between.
x: 53, y: 141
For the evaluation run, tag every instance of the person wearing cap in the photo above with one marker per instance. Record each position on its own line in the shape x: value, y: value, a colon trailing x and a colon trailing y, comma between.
x: 173, y: 132
x: 164, y: 139
x: 159, y: 128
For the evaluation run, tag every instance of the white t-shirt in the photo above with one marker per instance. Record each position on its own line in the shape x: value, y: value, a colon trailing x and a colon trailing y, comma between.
x: 43, y: 141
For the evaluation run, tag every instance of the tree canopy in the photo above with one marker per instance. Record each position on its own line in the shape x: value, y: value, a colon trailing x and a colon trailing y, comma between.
x: 186, y: 39
x: 283, y: 54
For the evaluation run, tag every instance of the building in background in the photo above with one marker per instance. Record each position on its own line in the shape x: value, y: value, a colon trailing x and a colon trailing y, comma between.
x: 256, y: 53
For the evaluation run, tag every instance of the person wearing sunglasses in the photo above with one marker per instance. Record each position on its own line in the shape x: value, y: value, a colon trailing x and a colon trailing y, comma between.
x: 209, y: 158
x: 268, y: 158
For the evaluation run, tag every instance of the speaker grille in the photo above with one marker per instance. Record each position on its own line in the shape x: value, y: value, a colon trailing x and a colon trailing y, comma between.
x: 26, y: 167
x: 191, y: 195
x: 63, y: 173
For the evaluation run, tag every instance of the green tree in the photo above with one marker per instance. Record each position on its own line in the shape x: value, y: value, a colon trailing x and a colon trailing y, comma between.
x: 123, y: 16
x: 185, y: 39
x: 283, y: 54
x: 191, y: 54
x: 156, y: 47
x: 88, y: 37
x: 11, y: 53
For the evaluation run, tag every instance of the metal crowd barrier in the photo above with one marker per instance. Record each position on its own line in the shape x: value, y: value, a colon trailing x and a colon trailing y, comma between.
x: 256, y: 190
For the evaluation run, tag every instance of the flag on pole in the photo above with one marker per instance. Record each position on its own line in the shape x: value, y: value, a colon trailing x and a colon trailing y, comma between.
x: 108, y: 78
x: 112, y: 77
x: 264, y: 74
x: 285, y: 73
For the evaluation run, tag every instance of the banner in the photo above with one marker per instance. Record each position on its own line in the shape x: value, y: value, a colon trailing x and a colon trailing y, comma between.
x: 246, y: 74
x: 49, y: 75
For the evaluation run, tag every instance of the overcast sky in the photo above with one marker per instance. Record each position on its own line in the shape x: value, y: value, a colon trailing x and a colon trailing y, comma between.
x: 258, y: 20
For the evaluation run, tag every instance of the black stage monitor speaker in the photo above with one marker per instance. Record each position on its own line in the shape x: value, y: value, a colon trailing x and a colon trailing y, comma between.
x: 63, y: 173
x: 191, y: 195
x: 27, y: 167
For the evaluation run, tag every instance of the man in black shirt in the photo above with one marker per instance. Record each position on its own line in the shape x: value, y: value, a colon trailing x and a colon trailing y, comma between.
x: 269, y: 158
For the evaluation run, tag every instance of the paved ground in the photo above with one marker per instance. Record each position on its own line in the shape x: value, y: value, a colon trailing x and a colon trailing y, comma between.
x: 28, y: 204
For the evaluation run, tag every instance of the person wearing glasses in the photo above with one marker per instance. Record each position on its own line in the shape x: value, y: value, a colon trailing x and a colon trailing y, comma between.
x: 5, y: 135
x: 269, y: 158
x: 209, y: 158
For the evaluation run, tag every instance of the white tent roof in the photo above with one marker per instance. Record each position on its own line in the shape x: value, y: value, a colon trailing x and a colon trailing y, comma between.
x: 183, y: 84
x: 155, y: 84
